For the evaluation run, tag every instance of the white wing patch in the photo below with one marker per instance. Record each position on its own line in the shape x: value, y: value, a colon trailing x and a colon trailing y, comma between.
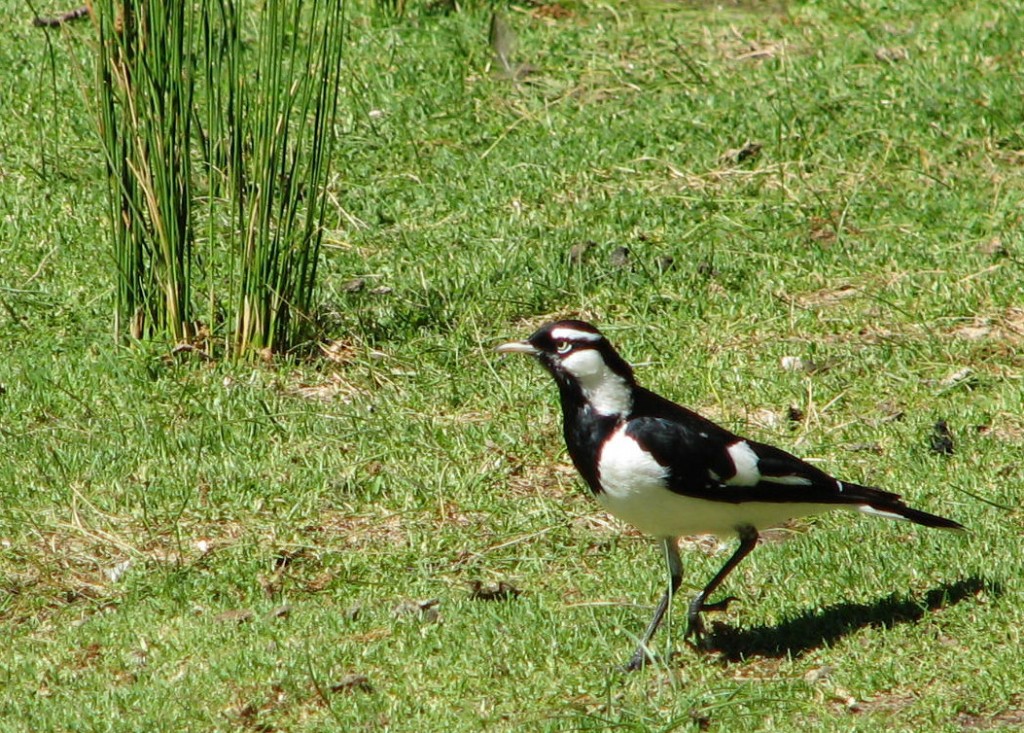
x: 788, y: 480
x: 868, y: 509
x: 745, y: 460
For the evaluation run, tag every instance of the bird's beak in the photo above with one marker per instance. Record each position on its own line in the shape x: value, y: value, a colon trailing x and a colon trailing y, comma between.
x: 517, y: 347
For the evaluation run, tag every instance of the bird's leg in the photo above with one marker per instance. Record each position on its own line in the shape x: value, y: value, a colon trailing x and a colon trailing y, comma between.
x: 675, y: 573
x: 695, y: 627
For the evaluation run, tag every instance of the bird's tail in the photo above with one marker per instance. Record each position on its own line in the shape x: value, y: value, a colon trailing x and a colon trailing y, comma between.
x: 886, y: 504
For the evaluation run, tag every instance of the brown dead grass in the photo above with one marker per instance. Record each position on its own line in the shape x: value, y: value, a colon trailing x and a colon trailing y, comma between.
x: 553, y: 480
x: 766, y: 669
x: 825, y: 297
x: 1010, y: 718
x: 1006, y: 326
x: 362, y: 531
x: 731, y: 44
x: 1005, y: 427
x: 85, y: 559
x: 550, y: 12
x: 340, y: 529
x: 886, y: 704
x: 325, y: 388
x: 523, y: 327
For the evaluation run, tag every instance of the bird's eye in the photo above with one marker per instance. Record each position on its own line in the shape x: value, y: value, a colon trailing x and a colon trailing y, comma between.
x: 563, y: 347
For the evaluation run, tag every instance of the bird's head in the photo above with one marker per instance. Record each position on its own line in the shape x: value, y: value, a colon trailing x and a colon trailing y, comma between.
x: 583, y: 362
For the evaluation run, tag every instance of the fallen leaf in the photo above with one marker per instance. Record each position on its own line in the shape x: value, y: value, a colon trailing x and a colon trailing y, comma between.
x: 353, y: 683
x: 502, y: 591
x: 892, y: 55
x: 619, y: 257
x: 427, y: 609
x: 819, y: 674
x: 748, y: 151
x: 579, y: 251
x: 941, y: 440
x: 115, y: 573
x: 236, y: 616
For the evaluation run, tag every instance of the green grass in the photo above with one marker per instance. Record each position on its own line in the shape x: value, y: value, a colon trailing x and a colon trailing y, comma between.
x: 877, y: 233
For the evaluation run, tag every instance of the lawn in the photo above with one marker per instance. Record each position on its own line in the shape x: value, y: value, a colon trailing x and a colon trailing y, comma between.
x: 803, y: 220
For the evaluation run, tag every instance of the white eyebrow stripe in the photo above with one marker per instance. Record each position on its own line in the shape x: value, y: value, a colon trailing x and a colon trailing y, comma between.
x: 571, y: 334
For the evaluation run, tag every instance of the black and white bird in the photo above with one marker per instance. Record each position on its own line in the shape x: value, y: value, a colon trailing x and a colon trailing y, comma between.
x: 670, y: 472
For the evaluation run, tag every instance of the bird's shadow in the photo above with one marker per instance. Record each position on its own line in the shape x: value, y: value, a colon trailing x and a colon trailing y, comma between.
x: 812, y: 629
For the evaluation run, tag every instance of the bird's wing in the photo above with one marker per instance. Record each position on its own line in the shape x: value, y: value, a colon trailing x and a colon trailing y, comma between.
x: 705, y: 460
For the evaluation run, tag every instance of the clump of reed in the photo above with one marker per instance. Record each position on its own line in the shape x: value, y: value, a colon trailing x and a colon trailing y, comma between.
x: 217, y: 121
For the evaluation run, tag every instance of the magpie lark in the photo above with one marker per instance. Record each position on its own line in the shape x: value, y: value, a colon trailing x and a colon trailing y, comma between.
x: 670, y: 472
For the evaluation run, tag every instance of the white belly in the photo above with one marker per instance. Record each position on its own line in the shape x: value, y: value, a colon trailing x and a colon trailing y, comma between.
x: 634, y: 490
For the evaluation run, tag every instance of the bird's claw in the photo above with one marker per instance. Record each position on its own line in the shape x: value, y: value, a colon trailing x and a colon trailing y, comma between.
x: 639, y: 660
x: 696, y: 634
x: 695, y: 629
x: 722, y: 605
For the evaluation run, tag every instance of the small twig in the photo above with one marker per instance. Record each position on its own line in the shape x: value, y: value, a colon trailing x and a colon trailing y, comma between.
x: 59, y: 20
x: 191, y: 349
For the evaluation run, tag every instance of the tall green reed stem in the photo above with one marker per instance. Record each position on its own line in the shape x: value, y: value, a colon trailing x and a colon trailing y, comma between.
x: 146, y: 95
x: 217, y: 120
x: 288, y: 119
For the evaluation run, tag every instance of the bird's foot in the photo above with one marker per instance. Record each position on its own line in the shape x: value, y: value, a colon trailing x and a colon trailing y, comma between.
x: 722, y: 605
x: 639, y: 660
x: 696, y: 634
x: 695, y: 630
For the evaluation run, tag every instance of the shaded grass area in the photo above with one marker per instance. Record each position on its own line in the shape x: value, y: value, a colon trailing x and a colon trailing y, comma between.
x: 292, y: 546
